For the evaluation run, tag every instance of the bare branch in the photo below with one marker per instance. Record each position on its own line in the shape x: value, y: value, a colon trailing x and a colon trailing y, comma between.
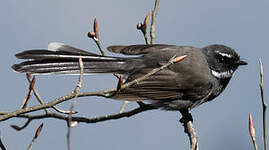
x: 153, y: 22
x: 115, y: 116
x: 187, y: 120
x: 264, y: 104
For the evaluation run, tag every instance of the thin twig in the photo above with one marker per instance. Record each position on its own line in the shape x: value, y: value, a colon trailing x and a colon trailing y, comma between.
x: 264, y: 106
x: 37, y: 133
x: 122, y: 108
x: 30, y: 91
x: 106, y: 93
x: 153, y: 22
x: 81, y: 119
x: 76, y: 91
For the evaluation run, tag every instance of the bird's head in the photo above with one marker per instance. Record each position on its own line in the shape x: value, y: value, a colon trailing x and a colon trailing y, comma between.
x: 222, y: 60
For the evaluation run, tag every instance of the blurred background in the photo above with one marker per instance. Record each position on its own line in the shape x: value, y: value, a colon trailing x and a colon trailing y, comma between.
x: 221, y: 124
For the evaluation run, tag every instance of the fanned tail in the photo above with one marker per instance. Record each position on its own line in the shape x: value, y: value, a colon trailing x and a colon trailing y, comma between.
x: 63, y: 59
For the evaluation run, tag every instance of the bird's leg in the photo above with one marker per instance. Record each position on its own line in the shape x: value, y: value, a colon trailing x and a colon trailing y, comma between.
x: 186, y: 121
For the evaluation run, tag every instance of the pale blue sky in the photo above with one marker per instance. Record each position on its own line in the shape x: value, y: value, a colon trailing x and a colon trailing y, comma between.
x: 221, y: 124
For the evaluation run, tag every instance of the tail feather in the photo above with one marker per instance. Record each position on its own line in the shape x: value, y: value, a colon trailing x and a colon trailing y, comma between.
x: 65, y: 61
x: 63, y: 66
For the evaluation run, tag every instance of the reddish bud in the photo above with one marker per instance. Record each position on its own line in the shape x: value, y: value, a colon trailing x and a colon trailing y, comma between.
x: 91, y: 34
x: 139, y: 26
x: 146, y: 21
x: 38, y: 131
x: 179, y: 58
x: 32, y: 85
x: 120, y: 83
x: 252, y: 131
x: 95, y: 28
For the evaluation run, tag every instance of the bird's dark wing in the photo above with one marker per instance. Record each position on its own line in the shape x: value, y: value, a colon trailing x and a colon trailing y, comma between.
x: 180, y: 81
x: 136, y: 49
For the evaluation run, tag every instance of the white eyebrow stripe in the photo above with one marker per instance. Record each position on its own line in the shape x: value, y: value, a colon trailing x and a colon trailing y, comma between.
x: 224, y: 54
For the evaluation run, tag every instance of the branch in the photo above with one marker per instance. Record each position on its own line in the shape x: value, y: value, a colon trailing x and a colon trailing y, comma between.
x: 187, y: 120
x: 115, y: 116
x: 264, y: 106
x: 153, y: 22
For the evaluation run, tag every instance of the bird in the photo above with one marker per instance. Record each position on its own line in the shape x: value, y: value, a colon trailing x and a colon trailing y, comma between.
x: 182, y: 86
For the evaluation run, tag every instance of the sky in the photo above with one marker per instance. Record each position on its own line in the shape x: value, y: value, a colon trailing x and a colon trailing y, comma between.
x: 221, y: 124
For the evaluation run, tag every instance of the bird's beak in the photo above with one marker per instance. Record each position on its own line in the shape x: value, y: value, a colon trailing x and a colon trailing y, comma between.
x: 241, y: 62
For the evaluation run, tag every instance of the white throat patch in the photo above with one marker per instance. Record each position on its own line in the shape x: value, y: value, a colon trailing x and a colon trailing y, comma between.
x: 221, y: 75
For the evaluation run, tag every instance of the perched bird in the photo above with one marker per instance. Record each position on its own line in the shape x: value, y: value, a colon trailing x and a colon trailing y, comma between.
x: 199, y: 78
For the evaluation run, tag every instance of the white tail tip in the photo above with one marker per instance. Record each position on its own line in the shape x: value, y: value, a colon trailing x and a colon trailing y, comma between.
x: 54, y: 46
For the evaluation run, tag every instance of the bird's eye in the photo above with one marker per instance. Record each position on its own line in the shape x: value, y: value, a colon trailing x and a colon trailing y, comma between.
x: 221, y: 59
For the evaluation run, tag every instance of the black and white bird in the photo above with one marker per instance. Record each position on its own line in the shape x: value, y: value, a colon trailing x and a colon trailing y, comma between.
x: 199, y: 78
